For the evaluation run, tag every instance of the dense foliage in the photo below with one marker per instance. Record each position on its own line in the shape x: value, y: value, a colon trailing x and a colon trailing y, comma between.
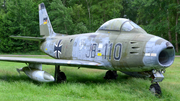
x: 20, y: 17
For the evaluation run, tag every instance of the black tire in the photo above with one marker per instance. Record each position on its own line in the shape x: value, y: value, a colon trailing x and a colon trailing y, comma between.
x: 61, y: 77
x: 156, y: 89
x: 110, y: 75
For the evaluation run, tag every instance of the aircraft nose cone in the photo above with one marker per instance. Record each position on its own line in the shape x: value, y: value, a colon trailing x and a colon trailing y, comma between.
x: 48, y: 77
x: 159, y: 53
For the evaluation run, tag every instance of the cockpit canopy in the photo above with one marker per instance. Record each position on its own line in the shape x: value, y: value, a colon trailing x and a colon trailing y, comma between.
x: 120, y: 24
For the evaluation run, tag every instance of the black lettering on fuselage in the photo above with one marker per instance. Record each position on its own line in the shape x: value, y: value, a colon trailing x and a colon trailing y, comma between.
x: 108, y: 47
x: 93, y: 50
x: 110, y: 50
x: 117, y: 51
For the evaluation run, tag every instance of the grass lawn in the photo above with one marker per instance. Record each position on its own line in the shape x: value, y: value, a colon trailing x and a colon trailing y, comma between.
x: 84, y: 84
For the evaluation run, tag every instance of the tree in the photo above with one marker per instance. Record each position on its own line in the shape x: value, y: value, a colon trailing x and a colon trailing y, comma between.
x: 60, y: 17
x: 18, y: 17
x: 105, y: 10
x: 177, y: 27
x: 21, y: 19
x: 78, y: 17
x: 159, y: 17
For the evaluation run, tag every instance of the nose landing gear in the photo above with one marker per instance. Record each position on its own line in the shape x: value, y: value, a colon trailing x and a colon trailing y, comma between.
x: 156, y: 76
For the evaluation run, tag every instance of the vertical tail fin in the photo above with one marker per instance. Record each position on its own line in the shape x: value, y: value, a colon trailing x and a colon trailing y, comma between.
x: 44, y: 22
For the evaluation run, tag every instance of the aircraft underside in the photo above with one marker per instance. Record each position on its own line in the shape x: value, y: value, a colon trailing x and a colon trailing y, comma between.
x: 35, y: 72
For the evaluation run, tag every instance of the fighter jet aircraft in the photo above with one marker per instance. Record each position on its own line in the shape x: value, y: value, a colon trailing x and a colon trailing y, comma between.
x: 118, y: 45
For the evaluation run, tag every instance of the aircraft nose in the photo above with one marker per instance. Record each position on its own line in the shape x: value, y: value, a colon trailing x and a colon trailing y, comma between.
x: 159, y: 53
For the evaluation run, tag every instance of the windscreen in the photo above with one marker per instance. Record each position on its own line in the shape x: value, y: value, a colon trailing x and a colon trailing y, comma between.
x: 129, y: 25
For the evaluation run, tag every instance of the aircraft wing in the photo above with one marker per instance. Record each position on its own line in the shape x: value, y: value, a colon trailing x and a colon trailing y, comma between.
x: 61, y: 62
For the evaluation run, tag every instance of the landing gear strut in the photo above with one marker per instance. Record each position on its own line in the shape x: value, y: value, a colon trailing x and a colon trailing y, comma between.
x: 156, y: 76
x: 111, y: 75
x: 58, y: 75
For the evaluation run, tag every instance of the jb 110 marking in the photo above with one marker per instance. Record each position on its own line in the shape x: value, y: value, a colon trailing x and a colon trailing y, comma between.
x: 118, y: 45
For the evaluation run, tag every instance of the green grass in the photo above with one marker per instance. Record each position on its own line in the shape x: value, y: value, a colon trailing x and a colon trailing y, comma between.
x: 84, y: 84
x: 178, y: 53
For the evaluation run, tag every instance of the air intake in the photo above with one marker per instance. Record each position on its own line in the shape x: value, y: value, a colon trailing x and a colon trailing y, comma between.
x: 166, y: 56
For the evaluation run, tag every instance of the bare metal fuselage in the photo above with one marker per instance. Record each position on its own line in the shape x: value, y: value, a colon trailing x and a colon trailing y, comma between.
x: 123, y: 51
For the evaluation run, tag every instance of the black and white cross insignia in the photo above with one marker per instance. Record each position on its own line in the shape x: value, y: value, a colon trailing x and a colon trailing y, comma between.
x: 57, y: 49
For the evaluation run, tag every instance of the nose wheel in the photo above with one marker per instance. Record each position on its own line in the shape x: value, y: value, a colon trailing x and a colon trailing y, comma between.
x: 156, y: 76
x: 156, y: 89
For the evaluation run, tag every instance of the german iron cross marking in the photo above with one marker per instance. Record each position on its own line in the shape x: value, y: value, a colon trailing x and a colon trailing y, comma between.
x: 57, y: 49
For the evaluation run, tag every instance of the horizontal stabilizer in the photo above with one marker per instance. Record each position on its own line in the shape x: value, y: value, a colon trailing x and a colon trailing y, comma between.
x: 29, y: 38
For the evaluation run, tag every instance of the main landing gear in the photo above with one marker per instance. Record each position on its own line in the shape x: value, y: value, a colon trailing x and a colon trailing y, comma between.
x: 58, y: 75
x: 110, y: 75
x: 156, y: 76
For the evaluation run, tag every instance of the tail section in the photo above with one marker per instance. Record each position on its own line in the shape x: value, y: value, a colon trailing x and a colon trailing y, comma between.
x: 44, y: 22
